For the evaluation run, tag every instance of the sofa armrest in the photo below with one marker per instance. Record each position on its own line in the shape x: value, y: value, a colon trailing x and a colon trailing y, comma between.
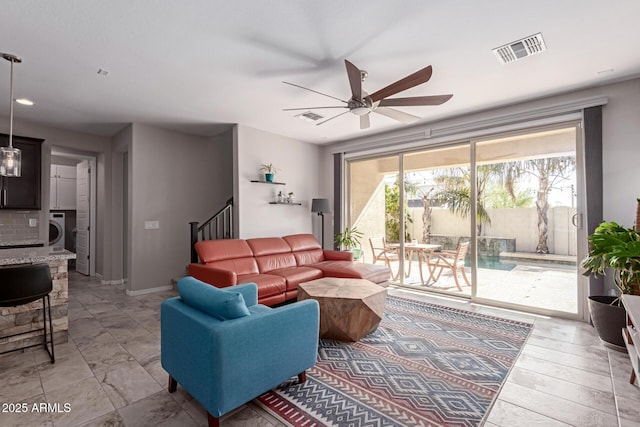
x: 214, y: 276
x: 330, y: 255
x: 243, y: 357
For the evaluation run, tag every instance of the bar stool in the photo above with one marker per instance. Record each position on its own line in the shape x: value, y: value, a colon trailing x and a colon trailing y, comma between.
x: 23, y: 284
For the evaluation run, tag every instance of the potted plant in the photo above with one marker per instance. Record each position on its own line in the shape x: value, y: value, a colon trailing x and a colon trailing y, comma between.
x: 290, y: 197
x: 269, y: 171
x: 349, y: 240
x: 618, y: 248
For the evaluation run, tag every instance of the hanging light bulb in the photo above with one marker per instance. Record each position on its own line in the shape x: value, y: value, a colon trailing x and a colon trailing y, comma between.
x: 10, y: 158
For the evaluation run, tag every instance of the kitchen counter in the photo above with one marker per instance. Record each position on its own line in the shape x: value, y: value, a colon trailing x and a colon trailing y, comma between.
x: 25, y: 317
x: 22, y: 243
x: 14, y: 256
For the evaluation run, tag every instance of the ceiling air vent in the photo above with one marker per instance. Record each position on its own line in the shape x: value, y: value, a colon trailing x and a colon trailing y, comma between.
x: 309, y: 116
x: 520, y: 49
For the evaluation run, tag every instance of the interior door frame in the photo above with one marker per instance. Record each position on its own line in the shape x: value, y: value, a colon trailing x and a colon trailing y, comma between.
x: 92, y: 159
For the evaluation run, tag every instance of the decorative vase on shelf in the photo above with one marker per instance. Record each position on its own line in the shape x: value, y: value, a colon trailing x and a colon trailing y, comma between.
x: 268, y: 177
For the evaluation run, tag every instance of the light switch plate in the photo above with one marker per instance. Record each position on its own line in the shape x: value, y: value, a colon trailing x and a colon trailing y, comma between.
x: 33, y: 222
x: 151, y: 225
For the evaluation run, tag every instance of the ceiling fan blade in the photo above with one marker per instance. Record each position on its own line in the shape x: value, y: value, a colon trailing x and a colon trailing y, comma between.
x: 355, y: 79
x: 415, y: 101
x: 365, y: 123
x: 398, y: 115
x: 313, y: 108
x: 331, y: 118
x: 314, y: 91
x: 415, y: 79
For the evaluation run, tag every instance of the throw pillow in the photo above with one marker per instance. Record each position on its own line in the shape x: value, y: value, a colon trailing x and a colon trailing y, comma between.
x: 219, y: 303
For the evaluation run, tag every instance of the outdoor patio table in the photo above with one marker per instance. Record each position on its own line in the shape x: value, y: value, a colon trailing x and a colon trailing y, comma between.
x: 423, y: 250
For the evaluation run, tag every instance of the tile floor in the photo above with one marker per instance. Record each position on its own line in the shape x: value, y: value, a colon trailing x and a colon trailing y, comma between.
x: 110, y: 374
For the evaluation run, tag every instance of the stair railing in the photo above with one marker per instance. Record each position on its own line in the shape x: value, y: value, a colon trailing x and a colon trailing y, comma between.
x: 219, y: 226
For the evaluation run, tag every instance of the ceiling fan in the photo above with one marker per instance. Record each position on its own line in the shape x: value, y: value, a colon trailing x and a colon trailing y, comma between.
x: 362, y: 104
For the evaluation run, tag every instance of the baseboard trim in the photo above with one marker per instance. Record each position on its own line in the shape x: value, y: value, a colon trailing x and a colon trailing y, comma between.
x: 113, y: 282
x: 148, y: 291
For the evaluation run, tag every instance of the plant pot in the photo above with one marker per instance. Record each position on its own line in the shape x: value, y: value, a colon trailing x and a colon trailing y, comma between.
x: 357, y: 253
x: 268, y: 177
x: 609, y: 320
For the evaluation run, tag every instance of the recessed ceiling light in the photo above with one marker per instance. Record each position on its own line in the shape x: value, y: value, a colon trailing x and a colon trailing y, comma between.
x: 25, y: 101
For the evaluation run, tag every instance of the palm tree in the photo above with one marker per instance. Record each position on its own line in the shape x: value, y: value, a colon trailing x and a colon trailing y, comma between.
x: 549, y: 172
x: 455, y: 190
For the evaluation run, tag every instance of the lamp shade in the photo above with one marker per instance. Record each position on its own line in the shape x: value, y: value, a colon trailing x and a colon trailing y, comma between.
x: 320, y: 205
x: 10, y: 161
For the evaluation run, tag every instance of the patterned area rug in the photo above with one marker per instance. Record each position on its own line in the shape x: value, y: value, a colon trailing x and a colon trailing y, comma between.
x: 425, y: 365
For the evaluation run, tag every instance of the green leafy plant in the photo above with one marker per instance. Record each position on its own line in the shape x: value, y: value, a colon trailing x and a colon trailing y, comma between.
x: 268, y: 168
x: 616, y: 247
x: 349, y: 238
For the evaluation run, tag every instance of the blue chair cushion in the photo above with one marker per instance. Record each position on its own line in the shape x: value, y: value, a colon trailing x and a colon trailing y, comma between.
x: 219, y: 303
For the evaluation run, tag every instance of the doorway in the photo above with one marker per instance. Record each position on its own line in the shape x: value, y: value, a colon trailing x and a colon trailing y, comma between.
x: 72, y: 193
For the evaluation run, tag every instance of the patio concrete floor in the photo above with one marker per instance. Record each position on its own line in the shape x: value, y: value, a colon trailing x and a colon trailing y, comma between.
x: 546, y: 286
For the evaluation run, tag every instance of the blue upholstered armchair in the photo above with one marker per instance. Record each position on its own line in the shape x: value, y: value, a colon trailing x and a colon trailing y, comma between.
x: 225, y: 349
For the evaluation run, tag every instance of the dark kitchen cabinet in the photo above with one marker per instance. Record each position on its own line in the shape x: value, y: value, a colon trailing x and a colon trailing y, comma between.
x: 23, y: 192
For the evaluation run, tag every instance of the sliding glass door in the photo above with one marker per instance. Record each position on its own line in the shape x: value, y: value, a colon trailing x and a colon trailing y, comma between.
x: 493, y: 219
x: 526, y: 220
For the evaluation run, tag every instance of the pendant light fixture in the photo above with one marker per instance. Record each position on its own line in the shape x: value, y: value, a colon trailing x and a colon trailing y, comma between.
x: 10, y: 158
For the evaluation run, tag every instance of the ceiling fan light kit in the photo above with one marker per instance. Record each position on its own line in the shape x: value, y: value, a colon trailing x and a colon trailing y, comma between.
x: 10, y: 157
x: 361, y: 103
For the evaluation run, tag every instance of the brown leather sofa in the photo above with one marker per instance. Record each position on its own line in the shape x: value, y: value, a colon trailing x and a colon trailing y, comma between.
x: 277, y: 265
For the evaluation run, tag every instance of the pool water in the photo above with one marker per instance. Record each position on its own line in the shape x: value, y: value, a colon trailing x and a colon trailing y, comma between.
x: 491, y: 262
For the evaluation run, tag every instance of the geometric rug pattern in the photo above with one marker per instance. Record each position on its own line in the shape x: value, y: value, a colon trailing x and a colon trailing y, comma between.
x: 425, y: 365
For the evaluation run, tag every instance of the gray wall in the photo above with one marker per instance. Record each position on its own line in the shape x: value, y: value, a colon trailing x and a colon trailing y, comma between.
x: 297, y: 164
x: 174, y: 179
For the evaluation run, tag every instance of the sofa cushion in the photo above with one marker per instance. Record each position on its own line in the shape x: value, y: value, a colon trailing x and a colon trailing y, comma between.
x: 239, y: 265
x: 268, y: 246
x: 354, y: 270
x: 268, y: 284
x: 302, y: 242
x: 223, y: 249
x: 271, y: 253
x: 219, y: 303
x: 308, y: 257
x: 297, y: 275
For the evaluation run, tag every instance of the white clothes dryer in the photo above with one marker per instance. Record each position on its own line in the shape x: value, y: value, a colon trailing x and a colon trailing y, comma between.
x: 56, y: 229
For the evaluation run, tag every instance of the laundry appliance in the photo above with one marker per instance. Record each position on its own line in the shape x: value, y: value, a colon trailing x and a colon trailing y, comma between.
x: 56, y: 229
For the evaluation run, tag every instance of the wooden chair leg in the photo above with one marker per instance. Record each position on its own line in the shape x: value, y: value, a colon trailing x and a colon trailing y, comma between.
x: 633, y: 377
x: 455, y: 277
x: 464, y: 275
x: 213, y: 421
x: 173, y: 385
x: 302, y: 376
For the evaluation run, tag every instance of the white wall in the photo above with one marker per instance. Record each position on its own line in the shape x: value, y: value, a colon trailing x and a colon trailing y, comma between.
x: 174, y: 179
x: 298, y: 165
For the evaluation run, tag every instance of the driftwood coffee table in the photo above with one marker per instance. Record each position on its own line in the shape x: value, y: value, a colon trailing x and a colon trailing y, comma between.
x: 350, y: 309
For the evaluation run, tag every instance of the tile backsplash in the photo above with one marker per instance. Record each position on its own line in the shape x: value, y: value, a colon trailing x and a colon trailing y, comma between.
x: 14, y: 225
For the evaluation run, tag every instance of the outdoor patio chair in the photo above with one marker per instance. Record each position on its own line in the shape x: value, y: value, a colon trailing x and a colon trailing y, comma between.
x: 381, y: 252
x: 453, y: 260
